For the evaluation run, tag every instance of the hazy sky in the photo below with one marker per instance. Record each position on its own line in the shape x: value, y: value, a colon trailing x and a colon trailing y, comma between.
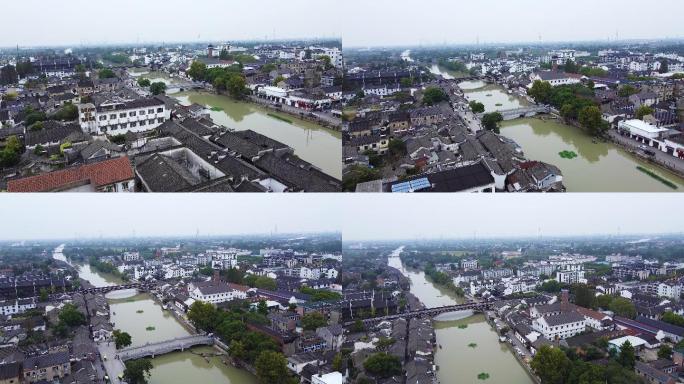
x: 418, y: 216
x: 358, y: 22
x: 43, y: 22
x: 46, y: 216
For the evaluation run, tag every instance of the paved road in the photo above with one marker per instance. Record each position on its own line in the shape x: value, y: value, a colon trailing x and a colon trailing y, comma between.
x: 660, y: 156
x: 322, y: 116
x: 113, y: 366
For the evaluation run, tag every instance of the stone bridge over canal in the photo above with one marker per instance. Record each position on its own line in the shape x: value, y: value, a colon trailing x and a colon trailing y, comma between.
x: 164, y: 347
x: 519, y: 113
x: 112, y: 288
x: 429, y: 312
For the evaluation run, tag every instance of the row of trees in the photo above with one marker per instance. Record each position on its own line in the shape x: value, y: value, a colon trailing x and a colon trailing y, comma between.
x: 573, y: 102
x: 228, y: 79
x: 251, y: 347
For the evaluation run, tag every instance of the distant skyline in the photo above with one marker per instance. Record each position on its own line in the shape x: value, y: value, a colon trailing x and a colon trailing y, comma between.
x: 467, y: 216
x: 68, y: 216
x: 359, y: 23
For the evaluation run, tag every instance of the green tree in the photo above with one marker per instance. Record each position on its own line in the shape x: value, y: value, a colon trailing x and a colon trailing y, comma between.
x: 197, y: 71
x: 137, y: 371
x: 44, y: 295
x: 551, y: 365
x: 67, y: 112
x: 271, y: 368
x: 551, y: 286
x: 491, y: 121
x: 236, y: 86
x: 143, y: 82
x: 122, y: 339
x: 434, y: 95
x: 313, y: 320
x: 71, y: 316
x: 627, y: 357
x: 262, y: 307
x: 603, y: 301
x: 665, y: 352
x: 622, y: 307
x: 592, y: 119
x: 584, y: 297
x: 541, y: 91
x: 642, y: 111
x: 382, y: 365
x: 8, y: 75
x: 24, y: 68
x: 397, y: 147
x: 203, y: 315
x: 106, y: 73
x: 627, y: 90
x: 337, y: 363
x: 476, y: 106
x: 406, y: 82
x: 11, y: 154
x: 278, y: 80
x: 224, y: 55
x: 570, y: 66
x: 673, y: 318
x: 158, y: 88
x: 664, y: 67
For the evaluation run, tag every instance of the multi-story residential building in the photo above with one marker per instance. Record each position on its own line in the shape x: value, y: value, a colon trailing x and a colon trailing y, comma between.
x: 496, y: 273
x: 571, y: 274
x: 467, y: 264
x: 560, y: 326
x: 13, y: 307
x: 122, y: 117
x: 131, y: 256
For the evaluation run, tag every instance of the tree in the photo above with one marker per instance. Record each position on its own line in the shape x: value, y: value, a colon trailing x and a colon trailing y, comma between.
x: 236, y: 85
x: 603, y: 301
x: 627, y: 90
x: 673, y: 318
x: 106, y: 73
x: 382, y: 365
x: 477, y: 107
x: 313, y: 320
x: 224, y: 54
x: 406, y: 82
x: 262, y: 307
x: 541, y: 91
x: 271, y: 368
x: 122, y: 339
x: 622, y: 307
x: 584, y: 297
x: 490, y: 121
x: 278, y: 79
x: 157, y: 88
x: 551, y: 365
x: 202, y: 315
x: 71, y: 316
x: 137, y: 371
x: 44, y: 296
x: 591, y: 84
x: 664, y: 67
x: 197, y: 71
x: 570, y: 66
x: 551, y: 286
x: 664, y: 352
x: 626, y: 358
x: 24, y: 68
x: 397, y: 147
x: 642, y: 111
x: 11, y: 154
x: 337, y: 363
x: 8, y: 75
x: 592, y: 120
x: 68, y: 112
x: 143, y: 82
x: 434, y: 95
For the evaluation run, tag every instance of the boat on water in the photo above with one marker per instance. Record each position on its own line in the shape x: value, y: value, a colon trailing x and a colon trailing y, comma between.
x: 502, y: 339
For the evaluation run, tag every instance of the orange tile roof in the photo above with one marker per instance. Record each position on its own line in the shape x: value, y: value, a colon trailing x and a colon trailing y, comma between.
x: 99, y: 174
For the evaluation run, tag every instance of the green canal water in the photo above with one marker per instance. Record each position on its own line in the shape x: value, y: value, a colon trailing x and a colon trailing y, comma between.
x: 458, y: 363
x: 599, y: 167
x: 318, y: 145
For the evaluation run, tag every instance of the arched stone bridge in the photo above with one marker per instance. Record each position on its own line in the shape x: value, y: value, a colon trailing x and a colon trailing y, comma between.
x: 163, y: 347
x: 428, y: 312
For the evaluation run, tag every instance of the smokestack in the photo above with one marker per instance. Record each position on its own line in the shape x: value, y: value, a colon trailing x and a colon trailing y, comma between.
x: 217, y: 278
x: 565, y: 303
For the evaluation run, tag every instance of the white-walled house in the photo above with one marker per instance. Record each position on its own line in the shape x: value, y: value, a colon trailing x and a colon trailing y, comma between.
x: 215, y: 292
x: 119, y: 118
x: 561, y: 326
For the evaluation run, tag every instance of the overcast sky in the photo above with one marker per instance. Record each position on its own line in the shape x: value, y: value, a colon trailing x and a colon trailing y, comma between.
x: 418, y: 216
x: 58, y: 215
x: 358, y: 22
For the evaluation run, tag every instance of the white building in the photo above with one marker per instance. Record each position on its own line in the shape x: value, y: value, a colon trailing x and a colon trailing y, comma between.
x: 561, y: 326
x: 672, y: 291
x: 13, y: 307
x: 571, y: 274
x: 555, y: 78
x: 215, y: 292
x: 643, y: 131
x: 327, y: 378
x: 119, y: 118
x: 469, y: 264
x: 131, y: 256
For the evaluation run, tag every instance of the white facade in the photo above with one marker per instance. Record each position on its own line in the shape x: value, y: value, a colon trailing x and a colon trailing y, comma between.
x: 571, y: 274
x: 120, y: 118
x: 131, y: 256
x: 561, y: 331
x: 17, y: 306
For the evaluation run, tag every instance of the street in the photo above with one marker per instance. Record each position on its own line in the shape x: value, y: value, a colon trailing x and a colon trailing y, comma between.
x: 113, y: 366
x: 660, y: 157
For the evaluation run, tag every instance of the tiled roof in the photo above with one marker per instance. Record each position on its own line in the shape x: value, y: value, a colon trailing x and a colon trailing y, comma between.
x: 99, y: 174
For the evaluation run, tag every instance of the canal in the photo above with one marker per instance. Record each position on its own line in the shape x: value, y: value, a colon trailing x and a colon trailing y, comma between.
x: 147, y: 322
x: 598, y: 167
x: 459, y: 361
x: 318, y: 145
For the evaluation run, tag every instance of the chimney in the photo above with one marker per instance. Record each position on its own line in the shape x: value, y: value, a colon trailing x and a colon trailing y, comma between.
x: 554, y: 67
x: 565, y: 304
x: 216, y: 278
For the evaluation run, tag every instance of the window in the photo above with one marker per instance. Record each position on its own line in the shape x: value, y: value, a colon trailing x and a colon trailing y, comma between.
x: 160, y: 110
x: 143, y: 122
x: 134, y: 124
x: 122, y: 114
x: 150, y: 111
x: 160, y: 120
x: 131, y: 114
x: 142, y: 112
x: 102, y: 118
